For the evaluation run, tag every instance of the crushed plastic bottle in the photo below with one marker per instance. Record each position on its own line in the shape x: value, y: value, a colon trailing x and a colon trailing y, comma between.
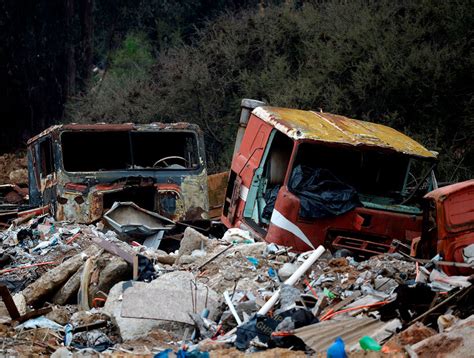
x: 369, y: 344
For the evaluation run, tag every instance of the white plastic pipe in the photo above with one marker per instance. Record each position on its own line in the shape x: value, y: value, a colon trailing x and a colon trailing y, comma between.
x: 293, y: 279
x: 232, y: 308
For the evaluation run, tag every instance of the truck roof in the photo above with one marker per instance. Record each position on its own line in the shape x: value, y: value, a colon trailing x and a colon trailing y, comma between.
x: 332, y: 128
x: 155, y: 126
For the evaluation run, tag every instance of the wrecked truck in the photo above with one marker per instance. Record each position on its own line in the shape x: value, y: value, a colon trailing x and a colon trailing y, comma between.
x: 305, y: 178
x: 448, y: 226
x: 80, y: 170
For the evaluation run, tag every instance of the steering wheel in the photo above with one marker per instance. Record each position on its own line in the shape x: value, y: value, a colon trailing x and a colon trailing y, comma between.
x: 163, y: 160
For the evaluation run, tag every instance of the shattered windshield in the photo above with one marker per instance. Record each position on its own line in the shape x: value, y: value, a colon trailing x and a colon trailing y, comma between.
x: 122, y: 150
x: 370, y: 172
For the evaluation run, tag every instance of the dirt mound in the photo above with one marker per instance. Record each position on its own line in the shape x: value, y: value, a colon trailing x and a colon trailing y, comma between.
x: 13, y: 168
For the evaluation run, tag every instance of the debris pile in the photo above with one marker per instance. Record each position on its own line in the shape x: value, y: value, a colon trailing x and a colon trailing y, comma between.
x: 165, y: 287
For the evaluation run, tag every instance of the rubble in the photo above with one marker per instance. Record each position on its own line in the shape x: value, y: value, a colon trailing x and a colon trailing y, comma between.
x: 94, y: 290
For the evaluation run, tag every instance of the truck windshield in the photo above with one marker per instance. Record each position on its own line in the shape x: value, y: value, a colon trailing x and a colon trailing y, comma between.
x: 371, y: 172
x: 88, y: 151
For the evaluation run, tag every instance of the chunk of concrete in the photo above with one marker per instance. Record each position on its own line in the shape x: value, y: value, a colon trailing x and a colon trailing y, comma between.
x: 116, y: 270
x: 69, y: 289
x: 171, y: 297
x: 60, y: 315
x: 192, y: 240
x: 139, y: 299
x: 53, y: 279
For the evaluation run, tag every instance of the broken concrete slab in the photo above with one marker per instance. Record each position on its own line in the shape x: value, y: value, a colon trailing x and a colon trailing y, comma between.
x: 192, y: 240
x: 115, y: 270
x: 134, y: 328
x: 53, y: 279
x: 171, y: 297
x: 69, y: 289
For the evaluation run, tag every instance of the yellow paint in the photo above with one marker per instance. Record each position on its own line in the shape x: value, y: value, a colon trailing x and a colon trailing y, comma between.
x: 331, y: 128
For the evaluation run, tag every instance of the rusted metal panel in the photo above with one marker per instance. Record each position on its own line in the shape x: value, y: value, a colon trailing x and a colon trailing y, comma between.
x: 79, y: 196
x: 331, y: 128
x: 216, y: 186
x: 451, y: 218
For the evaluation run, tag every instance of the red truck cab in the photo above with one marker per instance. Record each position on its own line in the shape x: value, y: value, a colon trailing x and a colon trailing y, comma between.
x: 449, y: 224
x: 384, y: 171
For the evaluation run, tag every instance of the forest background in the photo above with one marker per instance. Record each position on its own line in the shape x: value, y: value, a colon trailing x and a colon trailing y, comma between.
x: 406, y: 64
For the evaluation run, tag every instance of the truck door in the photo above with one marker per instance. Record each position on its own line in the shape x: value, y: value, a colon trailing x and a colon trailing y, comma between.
x: 244, y: 166
x: 45, y: 169
x: 267, y: 180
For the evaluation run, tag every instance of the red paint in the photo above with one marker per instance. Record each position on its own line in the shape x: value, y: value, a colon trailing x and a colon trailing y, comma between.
x: 454, y: 207
x: 383, y: 228
x: 379, y: 226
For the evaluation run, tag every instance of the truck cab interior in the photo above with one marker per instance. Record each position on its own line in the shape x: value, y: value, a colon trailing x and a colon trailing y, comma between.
x: 380, y: 179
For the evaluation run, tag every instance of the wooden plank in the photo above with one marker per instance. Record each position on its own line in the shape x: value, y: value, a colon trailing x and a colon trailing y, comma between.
x: 9, y: 303
x: 33, y: 314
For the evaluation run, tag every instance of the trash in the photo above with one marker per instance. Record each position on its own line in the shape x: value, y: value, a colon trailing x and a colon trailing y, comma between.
x: 369, y: 344
x: 287, y: 270
x: 237, y: 236
x: 321, y: 194
x: 40, y: 322
x: 468, y: 254
x: 443, y: 282
x: 197, y: 293
x: 130, y: 219
x: 337, y: 349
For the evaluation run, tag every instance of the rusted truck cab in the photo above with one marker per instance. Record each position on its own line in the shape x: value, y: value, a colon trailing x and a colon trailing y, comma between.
x: 449, y: 224
x: 370, y: 179
x: 81, y: 170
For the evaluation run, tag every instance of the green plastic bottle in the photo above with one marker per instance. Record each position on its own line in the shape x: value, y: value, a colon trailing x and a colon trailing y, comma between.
x: 369, y: 344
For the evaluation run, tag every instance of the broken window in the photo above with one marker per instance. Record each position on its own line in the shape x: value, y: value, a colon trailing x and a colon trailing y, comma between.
x: 103, y: 151
x: 173, y: 150
x: 46, y: 157
x: 369, y: 171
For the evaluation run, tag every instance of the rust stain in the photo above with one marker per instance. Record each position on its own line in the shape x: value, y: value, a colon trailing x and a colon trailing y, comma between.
x: 327, y: 127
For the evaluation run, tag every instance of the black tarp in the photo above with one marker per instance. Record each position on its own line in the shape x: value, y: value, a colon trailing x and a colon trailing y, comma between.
x: 321, y: 194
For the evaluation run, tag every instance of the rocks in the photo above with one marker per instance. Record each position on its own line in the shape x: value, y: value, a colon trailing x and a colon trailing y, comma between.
x: 60, y: 315
x: 69, y: 289
x: 52, y: 280
x: 192, y: 240
x: 166, y: 294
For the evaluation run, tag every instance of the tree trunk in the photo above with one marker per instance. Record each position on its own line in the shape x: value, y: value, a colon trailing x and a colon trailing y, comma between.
x: 70, y: 60
x: 87, y: 25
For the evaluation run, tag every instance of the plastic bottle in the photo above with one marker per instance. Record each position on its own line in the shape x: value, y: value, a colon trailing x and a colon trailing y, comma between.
x: 369, y: 344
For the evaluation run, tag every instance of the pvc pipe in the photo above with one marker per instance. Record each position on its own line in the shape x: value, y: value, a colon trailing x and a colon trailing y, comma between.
x: 293, y: 279
x: 232, y: 308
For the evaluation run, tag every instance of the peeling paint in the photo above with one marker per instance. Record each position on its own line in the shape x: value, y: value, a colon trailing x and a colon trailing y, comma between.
x: 79, y: 196
x: 331, y: 128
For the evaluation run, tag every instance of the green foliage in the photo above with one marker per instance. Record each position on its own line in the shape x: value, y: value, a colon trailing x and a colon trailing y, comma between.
x: 133, y: 58
x: 123, y: 92
x: 405, y: 64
